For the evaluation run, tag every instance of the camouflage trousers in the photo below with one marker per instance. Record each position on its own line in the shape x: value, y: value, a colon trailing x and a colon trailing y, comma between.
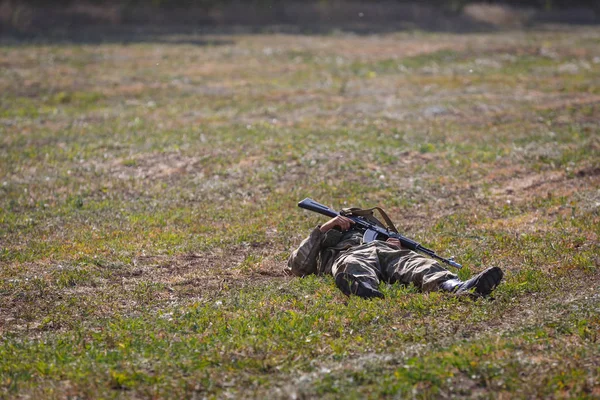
x: 378, y: 261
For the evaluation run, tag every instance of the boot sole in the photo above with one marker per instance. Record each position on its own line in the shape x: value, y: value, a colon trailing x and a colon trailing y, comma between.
x: 484, y: 284
x: 488, y: 281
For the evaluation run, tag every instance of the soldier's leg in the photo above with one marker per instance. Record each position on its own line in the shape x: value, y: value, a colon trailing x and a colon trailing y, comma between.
x: 481, y: 284
x: 423, y: 272
x: 357, y: 272
x: 428, y: 275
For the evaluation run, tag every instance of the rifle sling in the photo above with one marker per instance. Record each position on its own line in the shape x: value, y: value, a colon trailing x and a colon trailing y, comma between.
x: 368, y: 213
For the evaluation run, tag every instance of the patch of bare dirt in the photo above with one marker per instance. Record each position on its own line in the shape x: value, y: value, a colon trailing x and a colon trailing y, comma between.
x: 569, y: 102
x: 188, y: 276
x: 518, y: 185
x: 524, y: 185
x: 152, y: 166
x: 210, y: 272
x: 590, y: 171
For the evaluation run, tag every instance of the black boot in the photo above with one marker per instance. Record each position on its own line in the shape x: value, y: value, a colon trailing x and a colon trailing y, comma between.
x: 481, y: 284
x: 350, y: 285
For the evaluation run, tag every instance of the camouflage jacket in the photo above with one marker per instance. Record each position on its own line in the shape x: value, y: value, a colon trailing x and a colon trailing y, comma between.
x: 317, y: 253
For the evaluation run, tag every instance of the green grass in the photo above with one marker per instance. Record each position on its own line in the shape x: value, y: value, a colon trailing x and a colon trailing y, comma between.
x: 148, y: 204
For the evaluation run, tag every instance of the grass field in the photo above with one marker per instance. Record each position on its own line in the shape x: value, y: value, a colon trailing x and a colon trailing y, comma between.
x: 148, y: 198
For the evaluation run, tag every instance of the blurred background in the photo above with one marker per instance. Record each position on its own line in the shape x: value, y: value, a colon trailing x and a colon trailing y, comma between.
x: 63, y: 17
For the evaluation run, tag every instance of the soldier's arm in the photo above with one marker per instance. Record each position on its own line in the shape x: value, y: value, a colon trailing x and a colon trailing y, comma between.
x: 394, y: 242
x: 303, y: 260
x: 341, y: 222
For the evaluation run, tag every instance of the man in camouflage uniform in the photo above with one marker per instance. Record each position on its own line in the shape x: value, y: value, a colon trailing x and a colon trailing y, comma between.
x: 336, y: 248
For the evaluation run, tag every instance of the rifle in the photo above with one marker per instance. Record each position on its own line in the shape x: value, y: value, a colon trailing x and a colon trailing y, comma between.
x: 371, y: 231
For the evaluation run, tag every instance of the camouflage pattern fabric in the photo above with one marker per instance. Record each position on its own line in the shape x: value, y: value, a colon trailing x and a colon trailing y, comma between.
x: 335, y: 252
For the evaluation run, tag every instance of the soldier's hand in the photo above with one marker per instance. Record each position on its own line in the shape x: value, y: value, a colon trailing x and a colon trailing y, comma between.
x: 340, y: 221
x: 394, y: 242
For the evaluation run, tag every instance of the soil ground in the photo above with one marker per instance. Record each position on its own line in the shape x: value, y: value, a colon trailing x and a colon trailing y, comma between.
x: 148, y: 196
